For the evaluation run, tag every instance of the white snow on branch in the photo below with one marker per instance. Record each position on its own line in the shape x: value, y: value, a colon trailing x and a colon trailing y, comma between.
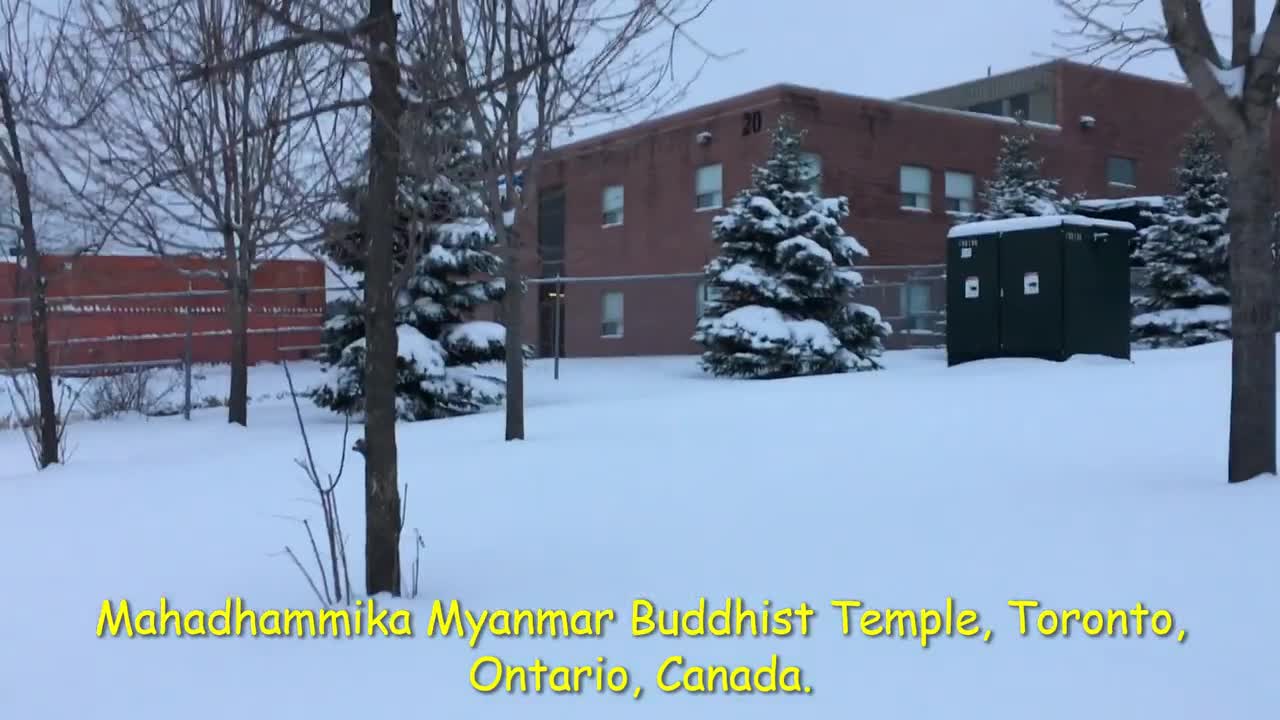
x: 1184, y: 317
x: 798, y: 246
x: 849, y: 246
x: 766, y: 328
x: 424, y: 352
x: 463, y: 229
x: 765, y: 206
x: 1104, y: 204
x: 412, y: 346
x: 744, y: 274
x: 476, y: 334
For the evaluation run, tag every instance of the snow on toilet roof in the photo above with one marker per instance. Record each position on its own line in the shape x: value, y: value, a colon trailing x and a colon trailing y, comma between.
x: 991, y: 227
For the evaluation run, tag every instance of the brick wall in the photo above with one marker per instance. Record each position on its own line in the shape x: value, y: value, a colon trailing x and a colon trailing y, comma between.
x: 863, y: 142
x: 89, y: 330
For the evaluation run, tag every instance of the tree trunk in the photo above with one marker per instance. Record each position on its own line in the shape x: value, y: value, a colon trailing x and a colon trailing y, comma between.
x: 238, y: 313
x: 513, y: 318
x: 382, y: 492
x: 36, y: 289
x: 40, y: 344
x: 1252, y: 448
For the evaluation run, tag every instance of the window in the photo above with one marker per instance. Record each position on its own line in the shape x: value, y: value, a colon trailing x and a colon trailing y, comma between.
x: 708, y: 187
x: 914, y: 185
x: 706, y: 296
x: 917, y: 306
x: 1014, y: 106
x: 1019, y: 106
x: 959, y: 190
x: 550, y: 229
x: 813, y: 170
x: 611, y: 315
x: 1122, y: 171
x: 994, y: 107
x: 611, y: 202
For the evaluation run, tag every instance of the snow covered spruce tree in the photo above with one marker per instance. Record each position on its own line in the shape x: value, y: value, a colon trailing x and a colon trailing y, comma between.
x: 783, y: 284
x: 1185, y: 253
x: 1018, y: 188
x: 442, y: 231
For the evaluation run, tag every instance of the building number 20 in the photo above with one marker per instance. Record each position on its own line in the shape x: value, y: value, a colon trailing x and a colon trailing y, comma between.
x: 752, y: 122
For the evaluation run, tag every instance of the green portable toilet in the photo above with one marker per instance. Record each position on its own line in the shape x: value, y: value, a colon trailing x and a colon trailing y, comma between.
x: 1041, y: 287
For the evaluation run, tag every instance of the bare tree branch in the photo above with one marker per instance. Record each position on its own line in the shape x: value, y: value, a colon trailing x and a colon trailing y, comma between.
x: 1239, y: 96
x: 225, y: 167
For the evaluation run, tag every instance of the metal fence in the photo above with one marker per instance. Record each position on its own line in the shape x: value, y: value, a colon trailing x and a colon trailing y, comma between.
x: 177, y: 323
x: 558, y: 284
x: 911, y: 298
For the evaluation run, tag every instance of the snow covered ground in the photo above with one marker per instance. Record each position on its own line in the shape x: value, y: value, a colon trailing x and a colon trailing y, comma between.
x: 1090, y: 484
x: 209, y: 384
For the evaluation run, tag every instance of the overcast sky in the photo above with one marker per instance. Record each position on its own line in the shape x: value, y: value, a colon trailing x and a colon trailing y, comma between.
x: 889, y: 48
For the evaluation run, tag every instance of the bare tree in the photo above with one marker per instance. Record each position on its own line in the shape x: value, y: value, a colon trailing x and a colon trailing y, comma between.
x: 375, y: 44
x: 210, y: 168
x: 37, y: 101
x: 370, y: 43
x: 1238, y: 90
x: 602, y: 61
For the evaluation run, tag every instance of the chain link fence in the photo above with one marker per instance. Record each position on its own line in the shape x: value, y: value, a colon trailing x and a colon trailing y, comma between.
x: 105, y: 334
x: 96, y: 335
x: 911, y: 298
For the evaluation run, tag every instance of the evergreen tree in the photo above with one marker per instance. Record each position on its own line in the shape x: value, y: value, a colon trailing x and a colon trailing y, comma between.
x: 784, y: 282
x: 1018, y: 189
x: 1185, y: 253
x: 454, y: 271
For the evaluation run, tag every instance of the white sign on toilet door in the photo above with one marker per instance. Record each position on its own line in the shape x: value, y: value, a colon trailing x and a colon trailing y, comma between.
x: 970, y: 288
x: 1031, y: 283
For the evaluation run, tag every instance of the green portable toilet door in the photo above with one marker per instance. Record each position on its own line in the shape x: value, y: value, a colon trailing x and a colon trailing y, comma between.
x: 1097, y: 290
x: 973, y: 298
x: 1031, y: 294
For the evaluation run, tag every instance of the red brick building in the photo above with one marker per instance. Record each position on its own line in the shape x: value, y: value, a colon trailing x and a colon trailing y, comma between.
x: 641, y: 200
x: 108, y: 309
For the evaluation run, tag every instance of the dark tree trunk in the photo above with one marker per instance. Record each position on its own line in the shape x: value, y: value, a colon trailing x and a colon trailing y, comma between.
x: 1252, y: 448
x: 513, y: 318
x: 382, y: 492
x: 238, y: 313
x: 40, y: 339
x: 36, y: 289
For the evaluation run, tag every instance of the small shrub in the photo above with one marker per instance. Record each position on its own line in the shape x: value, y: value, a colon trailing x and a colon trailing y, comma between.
x: 207, y: 402
x: 26, y: 413
x: 129, y: 392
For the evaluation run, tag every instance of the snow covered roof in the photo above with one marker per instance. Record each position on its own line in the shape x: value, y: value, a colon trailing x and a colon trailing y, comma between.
x: 591, y: 139
x: 991, y: 227
x: 1104, y: 204
x: 1003, y: 119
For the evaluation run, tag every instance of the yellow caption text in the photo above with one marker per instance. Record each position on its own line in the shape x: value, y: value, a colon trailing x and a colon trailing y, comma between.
x: 727, y: 618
